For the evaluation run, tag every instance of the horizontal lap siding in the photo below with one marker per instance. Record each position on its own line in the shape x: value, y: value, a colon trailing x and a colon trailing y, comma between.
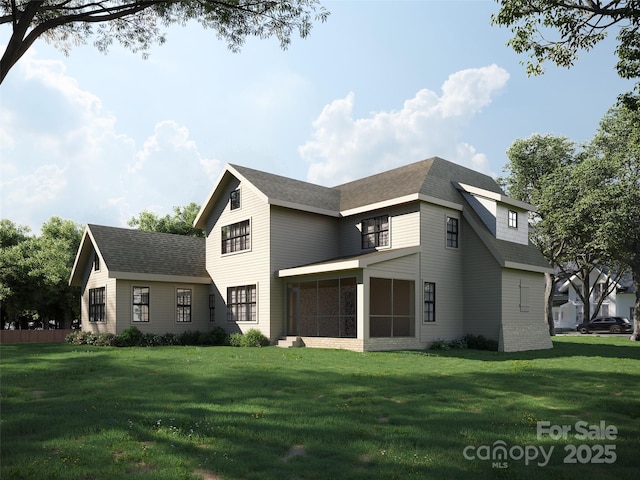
x: 404, y: 228
x: 296, y: 238
x: 482, y: 288
x: 163, y: 307
x: 249, y: 267
x: 443, y: 266
x: 99, y: 279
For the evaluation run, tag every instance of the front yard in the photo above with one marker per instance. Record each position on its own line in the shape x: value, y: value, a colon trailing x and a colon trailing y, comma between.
x: 81, y: 412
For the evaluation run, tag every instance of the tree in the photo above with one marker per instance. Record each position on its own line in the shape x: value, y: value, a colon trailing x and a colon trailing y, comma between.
x: 34, y: 271
x: 616, y: 156
x: 533, y: 168
x: 556, y: 30
x: 181, y: 223
x: 136, y: 23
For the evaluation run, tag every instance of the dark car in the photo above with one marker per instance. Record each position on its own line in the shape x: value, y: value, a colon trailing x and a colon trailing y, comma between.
x: 606, y: 324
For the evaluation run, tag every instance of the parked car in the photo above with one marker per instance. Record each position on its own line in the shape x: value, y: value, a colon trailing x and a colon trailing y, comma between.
x: 606, y: 324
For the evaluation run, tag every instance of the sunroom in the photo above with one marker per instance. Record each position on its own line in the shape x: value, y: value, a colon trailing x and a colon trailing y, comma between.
x: 356, y: 303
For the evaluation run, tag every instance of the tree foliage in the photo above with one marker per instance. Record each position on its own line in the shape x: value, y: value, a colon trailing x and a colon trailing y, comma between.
x: 136, y: 24
x: 180, y: 223
x: 34, y: 272
x: 556, y: 30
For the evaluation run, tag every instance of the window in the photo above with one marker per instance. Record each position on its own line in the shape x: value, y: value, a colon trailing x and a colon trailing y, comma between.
x: 513, y: 219
x: 452, y: 232
x: 97, y: 305
x: 429, y: 302
x: 183, y: 302
x: 241, y: 304
x: 212, y: 308
x: 140, y: 304
x: 375, y: 232
x: 391, y: 308
x: 234, y: 199
x: 96, y: 262
x: 236, y: 237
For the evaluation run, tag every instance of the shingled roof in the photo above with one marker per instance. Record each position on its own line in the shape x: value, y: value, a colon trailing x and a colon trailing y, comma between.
x: 138, y: 252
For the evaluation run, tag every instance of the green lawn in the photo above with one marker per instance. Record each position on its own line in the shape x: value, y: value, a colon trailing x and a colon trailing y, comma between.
x: 80, y: 412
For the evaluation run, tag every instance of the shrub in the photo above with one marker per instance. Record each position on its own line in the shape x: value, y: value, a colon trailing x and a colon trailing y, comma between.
x: 170, y: 339
x: 218, y: 336
x: 254, y: 338
x: 104, y: 339
x: 236, y: 340
x: 130, y: 337
x: 188, y: 338
x: 78, y: 338
x: 457, y: 344
x: 480, y: 342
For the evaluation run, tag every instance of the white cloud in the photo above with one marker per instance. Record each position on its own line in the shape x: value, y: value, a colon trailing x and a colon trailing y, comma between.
x: 344, y: 148
x: 64, y: 156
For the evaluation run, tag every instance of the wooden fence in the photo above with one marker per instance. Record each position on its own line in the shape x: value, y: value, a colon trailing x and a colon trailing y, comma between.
x: 33, y: 336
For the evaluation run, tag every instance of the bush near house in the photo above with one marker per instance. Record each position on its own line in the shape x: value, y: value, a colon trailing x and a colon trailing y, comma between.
x: 252, y: 338
x: 474, y: 342
x: 133, y: 337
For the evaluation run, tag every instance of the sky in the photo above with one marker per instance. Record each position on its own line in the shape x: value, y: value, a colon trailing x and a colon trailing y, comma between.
x: 99, y: 138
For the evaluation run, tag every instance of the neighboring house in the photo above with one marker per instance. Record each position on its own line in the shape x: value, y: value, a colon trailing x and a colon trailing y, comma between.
x: 568, y: 308
x: 155, y: 281
x: 431, y: 250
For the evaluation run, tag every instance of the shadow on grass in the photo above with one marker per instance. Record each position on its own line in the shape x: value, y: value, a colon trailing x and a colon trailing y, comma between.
x: 167, y: 412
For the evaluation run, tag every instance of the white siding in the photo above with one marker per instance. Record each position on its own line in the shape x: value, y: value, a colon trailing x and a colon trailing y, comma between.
x: 98, y: 279
x: 404, y: 229
x: 249, y: 267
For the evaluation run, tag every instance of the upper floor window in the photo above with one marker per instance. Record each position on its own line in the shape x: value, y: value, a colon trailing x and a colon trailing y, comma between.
x: 375, y: 232
x: 452, y: 232
x: 241, y: 304
x: 140, y: 304
x: 183, y: 305
x: 236, y: 237
x: 97, y: 305
x: 234, y: 199
x: 513, y: 219
x: 96, y: 262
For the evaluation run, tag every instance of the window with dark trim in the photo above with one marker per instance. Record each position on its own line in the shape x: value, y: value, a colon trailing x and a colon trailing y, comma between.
x: 183, y: 305
x: 241, y: 304
x: 513, y: 219
x: 236, y: 237
x: 96, y: 262
x: 452, y: 232
x: 212, y: 308
x: 429, y: 302
x: 140, y: 304
x: 97, y: 305
x: 375, y: 232
x: 234, y: 199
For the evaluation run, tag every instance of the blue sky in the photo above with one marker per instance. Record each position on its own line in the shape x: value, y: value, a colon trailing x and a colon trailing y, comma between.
x: 98, y: 138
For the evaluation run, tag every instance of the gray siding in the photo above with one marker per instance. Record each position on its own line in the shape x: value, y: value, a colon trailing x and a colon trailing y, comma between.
x: 482, y: 288
x: 443, y: 266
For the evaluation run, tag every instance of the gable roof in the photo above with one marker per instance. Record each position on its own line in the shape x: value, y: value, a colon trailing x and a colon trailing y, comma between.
x: 140, y: 255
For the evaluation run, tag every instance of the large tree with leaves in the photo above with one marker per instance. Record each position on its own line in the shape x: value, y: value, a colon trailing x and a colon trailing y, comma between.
x: 34, y: 271
x: 180, y: 223
x: 556, y: 30
x: 615, y: 159
x: 136, y: 24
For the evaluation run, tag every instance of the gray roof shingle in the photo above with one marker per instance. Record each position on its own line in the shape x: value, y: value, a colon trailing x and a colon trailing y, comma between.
x: 138, y: 251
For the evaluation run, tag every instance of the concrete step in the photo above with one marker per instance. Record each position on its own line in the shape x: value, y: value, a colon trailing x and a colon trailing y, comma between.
x: 290, y: 342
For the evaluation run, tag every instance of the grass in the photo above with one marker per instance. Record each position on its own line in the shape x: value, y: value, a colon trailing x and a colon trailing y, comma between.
x: 81, y: 412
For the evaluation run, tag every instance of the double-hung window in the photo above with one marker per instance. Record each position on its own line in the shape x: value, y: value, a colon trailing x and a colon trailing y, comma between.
x: 140, y: 304
x: 241, y: 304
x: 452, y: 232
x: 183, y: 305
x: 236, y: 237
x: 97, y: 305
x: 375, y: 232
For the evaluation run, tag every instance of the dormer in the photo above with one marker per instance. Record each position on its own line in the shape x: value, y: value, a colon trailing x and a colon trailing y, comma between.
x: 505, y: 217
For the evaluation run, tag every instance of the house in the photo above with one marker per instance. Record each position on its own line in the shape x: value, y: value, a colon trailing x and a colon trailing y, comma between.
x: 430, y: 250
x: 568, y: 308
x: 132, y: 277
